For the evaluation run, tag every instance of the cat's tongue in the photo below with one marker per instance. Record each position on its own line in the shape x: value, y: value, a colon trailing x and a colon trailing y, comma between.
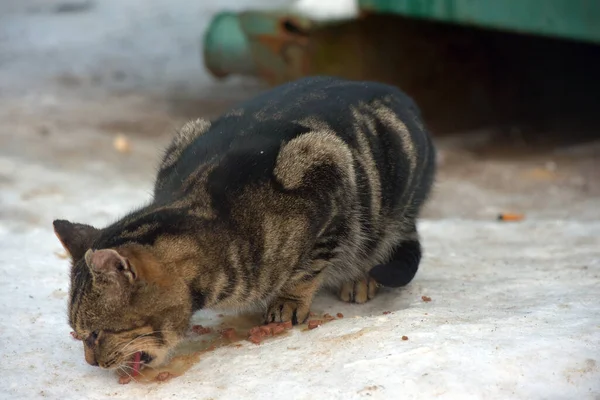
x: 136, y: 363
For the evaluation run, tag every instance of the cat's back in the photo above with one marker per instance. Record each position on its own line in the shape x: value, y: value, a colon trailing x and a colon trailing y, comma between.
x: 291, y: 109
x: 246, y: 141
x: 327, y: 100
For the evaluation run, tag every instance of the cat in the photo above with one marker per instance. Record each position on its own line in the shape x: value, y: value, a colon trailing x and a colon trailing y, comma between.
x: 316, y: 183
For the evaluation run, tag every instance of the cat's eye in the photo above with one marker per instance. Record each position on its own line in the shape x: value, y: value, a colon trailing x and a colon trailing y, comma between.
x: 90, y: 341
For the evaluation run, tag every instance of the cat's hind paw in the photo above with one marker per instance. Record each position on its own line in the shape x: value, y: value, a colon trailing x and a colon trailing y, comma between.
x: 359, y: 291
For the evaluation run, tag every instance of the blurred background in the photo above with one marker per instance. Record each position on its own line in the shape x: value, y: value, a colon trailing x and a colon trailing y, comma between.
x: 509, y: 89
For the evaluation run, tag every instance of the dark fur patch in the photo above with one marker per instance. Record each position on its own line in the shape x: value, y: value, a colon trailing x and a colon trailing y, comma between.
x: 401, y: 268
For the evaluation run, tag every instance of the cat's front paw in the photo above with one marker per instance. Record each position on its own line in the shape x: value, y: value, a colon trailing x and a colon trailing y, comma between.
x: 284, y: 310
x: 359, y: 291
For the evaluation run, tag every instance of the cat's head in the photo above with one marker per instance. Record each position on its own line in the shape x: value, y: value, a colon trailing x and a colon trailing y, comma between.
x: 122, y: 303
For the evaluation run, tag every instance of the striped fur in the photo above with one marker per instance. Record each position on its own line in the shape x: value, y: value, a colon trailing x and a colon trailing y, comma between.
x: 316, y: 183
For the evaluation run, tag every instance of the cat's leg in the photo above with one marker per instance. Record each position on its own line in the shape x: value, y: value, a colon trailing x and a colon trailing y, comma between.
x: 398, y: 271
x: 293, y: 303
x: 359, y: 291
x: 402, y: 266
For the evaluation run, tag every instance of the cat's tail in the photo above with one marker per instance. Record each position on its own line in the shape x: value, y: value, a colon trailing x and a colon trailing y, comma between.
x: 401, y: 268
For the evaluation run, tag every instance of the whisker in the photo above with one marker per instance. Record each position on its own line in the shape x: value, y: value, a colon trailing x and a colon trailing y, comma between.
x: 144, y: 335
x: 129, y: 375
x: 137, y: 344
x: 130, y: 354
x: 135, y: 338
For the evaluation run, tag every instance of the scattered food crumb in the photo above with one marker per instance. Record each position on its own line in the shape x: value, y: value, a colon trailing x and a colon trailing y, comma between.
x: 404, y: 337
x: 229, y: 334
x: 368, y: 389
x: 311, y: 314
x: 278, y: 330
x: 255, y: 339
x: 542, y: 174
x: 163, y: 376
x: 328, y: 317
x: 511, y: 217
x: 314, y: 323
x: 200, y: 330
x: 340, y: 315
x: 426, y: 299
x: 259, y: 333
x: 122, y: 144
x: 256, y: 331
x: 387, y: 312
x: 266, y: 330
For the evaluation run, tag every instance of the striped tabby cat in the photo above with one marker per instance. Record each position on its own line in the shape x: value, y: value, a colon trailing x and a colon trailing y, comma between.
x: 316, y: 183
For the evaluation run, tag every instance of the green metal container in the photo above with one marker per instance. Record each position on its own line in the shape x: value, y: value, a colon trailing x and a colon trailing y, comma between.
x: 255, y: 43
x: 226, y: 47
x: 569, y: 19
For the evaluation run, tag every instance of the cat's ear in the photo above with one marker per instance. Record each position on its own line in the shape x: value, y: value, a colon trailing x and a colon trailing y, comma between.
x: 75, y: 238
x: 110, y: 267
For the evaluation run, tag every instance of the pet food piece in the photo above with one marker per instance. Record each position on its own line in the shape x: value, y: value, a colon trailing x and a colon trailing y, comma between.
x: 255, y: 339
x: 259, y: 333
x: 277, y: 330
x: 387, y: 312
x: 256, y: 332
x: 311, y: 314
x: 229, y: 333
x: 163, y: 376
x: 124, y: 379
x: 313, y: 323
x: 272, y: 325
x: 426, y: 299
x: 122, y: 144
x: 511, y: 217
x: 328, y: 317
x: 266, y: 330
x: 200, y: 330
x: 340, y: 315
x: 404, y: 337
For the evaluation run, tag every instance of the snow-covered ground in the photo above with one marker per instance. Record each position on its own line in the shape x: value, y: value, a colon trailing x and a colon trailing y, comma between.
x: 514, y: 312
x: 515, y: 309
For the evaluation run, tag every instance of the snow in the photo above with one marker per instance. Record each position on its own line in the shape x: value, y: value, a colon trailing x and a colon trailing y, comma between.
x: 326, y: 10
x: 515, y: 310
x: 514, y: 314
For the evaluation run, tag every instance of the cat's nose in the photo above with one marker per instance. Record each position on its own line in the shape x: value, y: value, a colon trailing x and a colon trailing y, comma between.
x: 90, y: 358
x: 92, y: 361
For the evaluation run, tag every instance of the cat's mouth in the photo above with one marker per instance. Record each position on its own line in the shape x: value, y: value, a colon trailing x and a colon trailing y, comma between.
x: 140, y: 359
